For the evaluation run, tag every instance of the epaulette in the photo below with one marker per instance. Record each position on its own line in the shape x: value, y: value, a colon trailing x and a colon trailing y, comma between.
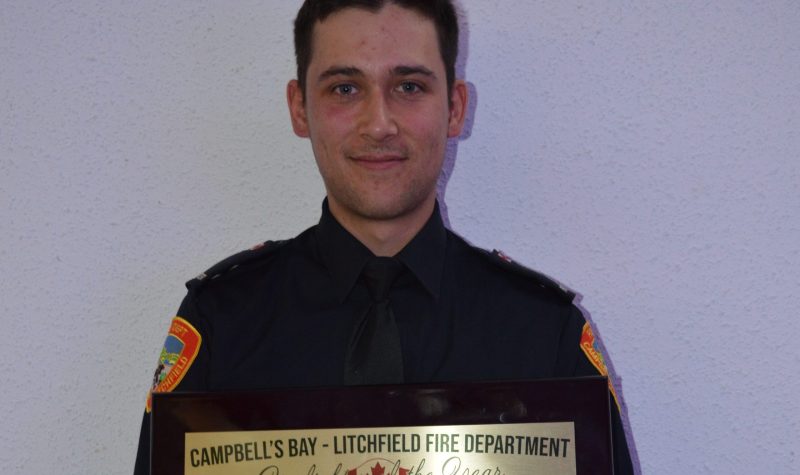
x: 228, y: 264
x: 543, y: 281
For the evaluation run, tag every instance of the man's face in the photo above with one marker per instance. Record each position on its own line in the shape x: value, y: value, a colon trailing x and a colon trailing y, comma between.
x: 377, y: 111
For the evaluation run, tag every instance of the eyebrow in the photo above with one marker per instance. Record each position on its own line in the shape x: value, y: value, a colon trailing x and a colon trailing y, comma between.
x: 351, y: 71
x: 348, y: 71
x: 411, y: 70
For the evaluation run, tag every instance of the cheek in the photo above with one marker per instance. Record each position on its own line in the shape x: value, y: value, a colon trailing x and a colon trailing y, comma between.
x: 430, y: 140
x: 430, y: 122
x: 331, y: 126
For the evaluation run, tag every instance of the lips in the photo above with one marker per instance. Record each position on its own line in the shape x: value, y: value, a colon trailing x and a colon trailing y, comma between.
x: 378, y: 161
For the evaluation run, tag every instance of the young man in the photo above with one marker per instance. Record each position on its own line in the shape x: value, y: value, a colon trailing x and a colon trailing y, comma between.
x: 377, y: 96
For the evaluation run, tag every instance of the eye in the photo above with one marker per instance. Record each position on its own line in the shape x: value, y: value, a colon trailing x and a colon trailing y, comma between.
x: 345, y: 89
x: 409, y: 87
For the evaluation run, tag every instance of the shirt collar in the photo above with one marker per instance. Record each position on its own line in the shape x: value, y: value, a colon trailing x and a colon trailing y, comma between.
x: 345, y: 256
x: 424, y: 255
x: 341, y: 252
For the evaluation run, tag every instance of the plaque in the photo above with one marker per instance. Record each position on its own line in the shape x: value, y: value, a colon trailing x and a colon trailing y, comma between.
x: 558, y: 426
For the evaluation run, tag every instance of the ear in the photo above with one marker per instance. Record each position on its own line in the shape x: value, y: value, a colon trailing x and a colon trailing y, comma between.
x: 458, y: 108
x: 297, y: 108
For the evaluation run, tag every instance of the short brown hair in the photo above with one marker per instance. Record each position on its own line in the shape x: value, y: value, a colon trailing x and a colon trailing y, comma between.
x: 441, y: 12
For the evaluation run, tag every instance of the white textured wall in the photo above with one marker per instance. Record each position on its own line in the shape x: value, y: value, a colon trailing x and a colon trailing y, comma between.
x: 645, y: 153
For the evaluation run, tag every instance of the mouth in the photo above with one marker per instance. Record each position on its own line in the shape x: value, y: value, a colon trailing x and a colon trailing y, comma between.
x: 379, y: 161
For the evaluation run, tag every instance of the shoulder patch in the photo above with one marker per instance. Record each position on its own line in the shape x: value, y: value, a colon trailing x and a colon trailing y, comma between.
x: 236, y: 260
x: 595, y: 356
x: 545, y: 282
x: 180, y: 350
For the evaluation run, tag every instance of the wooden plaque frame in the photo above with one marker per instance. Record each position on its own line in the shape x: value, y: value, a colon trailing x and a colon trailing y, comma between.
x: 583, y: 401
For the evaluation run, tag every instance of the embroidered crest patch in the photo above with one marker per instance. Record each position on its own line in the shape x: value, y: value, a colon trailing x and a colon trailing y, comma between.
x: 592, y: 352
x: 180, y: 350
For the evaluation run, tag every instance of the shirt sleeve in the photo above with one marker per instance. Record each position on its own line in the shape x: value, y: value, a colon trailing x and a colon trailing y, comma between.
x: 182, y: 366
x: 580, y: 355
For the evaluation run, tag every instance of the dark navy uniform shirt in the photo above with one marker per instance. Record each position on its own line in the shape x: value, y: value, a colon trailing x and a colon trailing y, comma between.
x: 280, y: 316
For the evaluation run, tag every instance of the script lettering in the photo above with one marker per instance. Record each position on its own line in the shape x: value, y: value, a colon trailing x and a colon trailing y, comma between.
x: 271, y: 470
x: 453, y: 467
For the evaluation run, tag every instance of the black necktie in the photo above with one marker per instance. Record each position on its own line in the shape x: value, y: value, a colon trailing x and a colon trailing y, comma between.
x: 374, y: 355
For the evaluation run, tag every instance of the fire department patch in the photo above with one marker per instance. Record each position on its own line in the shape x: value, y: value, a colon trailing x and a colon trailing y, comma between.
x: 592, y: 352
x: 180, y: 350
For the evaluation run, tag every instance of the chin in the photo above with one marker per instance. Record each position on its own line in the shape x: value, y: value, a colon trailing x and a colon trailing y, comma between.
x: 384, y: 202
x: 386, y: 210
x: 382, y: 213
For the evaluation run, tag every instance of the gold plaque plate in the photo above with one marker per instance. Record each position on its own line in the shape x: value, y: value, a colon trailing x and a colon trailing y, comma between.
x: 487, y: 449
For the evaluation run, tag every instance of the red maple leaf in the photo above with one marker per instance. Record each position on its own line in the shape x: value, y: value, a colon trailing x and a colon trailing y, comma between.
x: 377, y: 469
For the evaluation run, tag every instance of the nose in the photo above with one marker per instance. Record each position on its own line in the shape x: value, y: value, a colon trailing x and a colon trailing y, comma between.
x: 377, y: 121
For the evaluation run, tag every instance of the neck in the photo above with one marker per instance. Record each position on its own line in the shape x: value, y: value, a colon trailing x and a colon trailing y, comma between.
x: 384, y: 237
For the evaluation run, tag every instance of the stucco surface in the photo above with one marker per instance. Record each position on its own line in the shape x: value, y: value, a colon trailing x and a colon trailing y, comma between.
x: 644, y: 153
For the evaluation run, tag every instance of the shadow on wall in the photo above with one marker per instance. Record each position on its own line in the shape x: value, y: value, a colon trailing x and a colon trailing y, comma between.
x: 452, y: 150
x: 444, y: 178
x: 616, y: 381
x: 472, y: 105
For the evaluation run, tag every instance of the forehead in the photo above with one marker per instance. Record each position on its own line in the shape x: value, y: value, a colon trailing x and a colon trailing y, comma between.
x: 357, y: 37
